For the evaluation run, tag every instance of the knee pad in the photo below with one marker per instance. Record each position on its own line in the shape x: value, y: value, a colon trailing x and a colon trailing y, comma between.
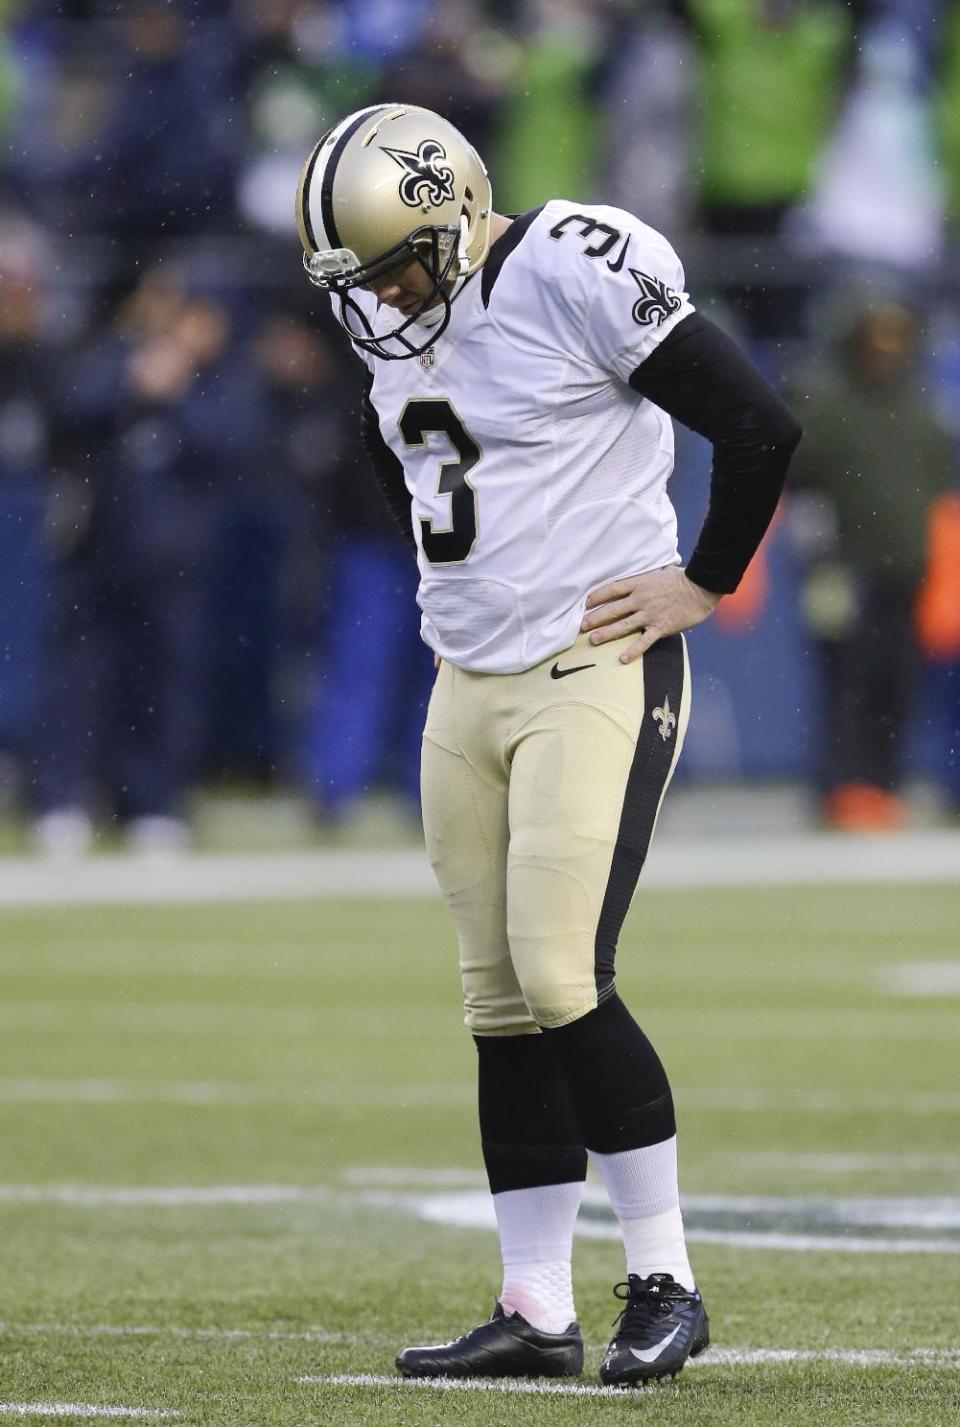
x: 557, y: 988
x: 489, y: 1016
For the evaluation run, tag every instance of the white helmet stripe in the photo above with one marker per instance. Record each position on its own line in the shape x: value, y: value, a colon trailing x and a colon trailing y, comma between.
x: 317, y: 203
x: 312, y: 228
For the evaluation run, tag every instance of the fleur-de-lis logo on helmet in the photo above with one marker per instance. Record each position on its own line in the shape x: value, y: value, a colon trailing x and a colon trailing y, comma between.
x: 666, y: 718
x: 657, y: 302
x: 426, y: 180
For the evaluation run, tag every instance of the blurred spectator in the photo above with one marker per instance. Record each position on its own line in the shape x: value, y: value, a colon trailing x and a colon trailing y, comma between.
x: 650, y: 98
x: 298, y: 77
x: 61, y: 96
x: 879, y: 194
x: 311, y: 441
x: 162, y: 159
x: 372, y: 673
x: 9, y: 79
x: 27, y: 350
x: 305, y: 65
x: 376, y: 673
x: 551, y: 124
x: 770, y: 76
x: 384, y: 30
x: 215, y: 545
x: 460, y: 67
x: 159, y: 410
x: 948, y: 115
x: 30, y: 434
x: 878, y: 457
x: 268, y: 567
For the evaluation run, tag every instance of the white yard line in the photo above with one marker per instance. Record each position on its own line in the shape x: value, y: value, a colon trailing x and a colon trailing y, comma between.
x: 416, y: 1095
x: 792, y: 1225
x: 205, y: 1018
x: 886, y: 1211
x: 829, y: 1162
x: 807, y: 1102
x: 79, y: 1196
x: 884, y: 1023
x: 796, y: 1243
x: 473, y: 1208
x: 714, y: 1358
x: 141, y: 1330
x: 81, y: 1409
x: 425, y: 1094
x: 888, y: 1022
x: 205, y: 877
x: 922, y: 979
x: 397, y: 1176
x: 812, y: 1161
x: 448, y: 1384
x: 792, y: 860
x: 159, y: 1018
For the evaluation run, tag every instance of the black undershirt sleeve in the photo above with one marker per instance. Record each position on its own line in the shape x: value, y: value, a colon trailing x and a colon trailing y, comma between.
x: 701, y: 377
x: 386, y: 466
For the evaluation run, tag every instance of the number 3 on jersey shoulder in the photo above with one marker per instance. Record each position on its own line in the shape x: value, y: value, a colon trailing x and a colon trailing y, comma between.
x: 419, y: 419
x: 588, y: 226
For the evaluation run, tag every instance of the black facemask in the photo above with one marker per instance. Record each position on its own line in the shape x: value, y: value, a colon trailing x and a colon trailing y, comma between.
x: 440, y: 269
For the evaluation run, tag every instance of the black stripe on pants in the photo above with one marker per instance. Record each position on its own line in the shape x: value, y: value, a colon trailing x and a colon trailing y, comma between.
x: 663, y: 677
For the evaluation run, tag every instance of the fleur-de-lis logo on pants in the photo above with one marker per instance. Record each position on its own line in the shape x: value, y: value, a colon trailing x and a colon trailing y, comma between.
x: 666, y: 718
x: 427, y: 181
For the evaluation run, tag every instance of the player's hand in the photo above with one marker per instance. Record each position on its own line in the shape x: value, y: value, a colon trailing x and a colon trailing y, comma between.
x: 659, y: 603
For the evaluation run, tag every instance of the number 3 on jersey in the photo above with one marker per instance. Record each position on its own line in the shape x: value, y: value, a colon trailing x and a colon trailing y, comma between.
x: 419, y: 419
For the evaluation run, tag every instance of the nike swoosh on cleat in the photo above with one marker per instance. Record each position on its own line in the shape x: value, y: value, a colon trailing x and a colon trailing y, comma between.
x: 557, y: 673
x: 650, y: 1355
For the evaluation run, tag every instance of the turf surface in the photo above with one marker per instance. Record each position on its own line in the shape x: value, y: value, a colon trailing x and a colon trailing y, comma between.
x: 318, y: 1047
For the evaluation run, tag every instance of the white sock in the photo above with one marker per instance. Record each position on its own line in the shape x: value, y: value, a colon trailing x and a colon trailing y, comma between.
x: 642, y: 1185
x: 536, y: 1244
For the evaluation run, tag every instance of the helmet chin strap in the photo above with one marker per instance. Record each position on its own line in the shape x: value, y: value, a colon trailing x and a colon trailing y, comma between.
x: 445, y: 274
x: 463, y: 258
x: 432, y: 316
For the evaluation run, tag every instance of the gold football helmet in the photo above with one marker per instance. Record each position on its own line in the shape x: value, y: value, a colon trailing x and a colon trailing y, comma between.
x: 389, y: 184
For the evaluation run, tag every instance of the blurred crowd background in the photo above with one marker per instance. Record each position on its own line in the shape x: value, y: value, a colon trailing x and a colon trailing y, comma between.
x: 198, y: 586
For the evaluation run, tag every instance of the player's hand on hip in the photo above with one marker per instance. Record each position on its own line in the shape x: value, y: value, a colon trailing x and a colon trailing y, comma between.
x: 655, y: 604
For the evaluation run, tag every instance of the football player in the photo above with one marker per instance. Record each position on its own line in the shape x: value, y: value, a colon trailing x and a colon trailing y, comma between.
x: 521, y: 374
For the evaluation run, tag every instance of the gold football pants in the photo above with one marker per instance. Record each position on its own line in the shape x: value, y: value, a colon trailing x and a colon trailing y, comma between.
x: 540, y: 795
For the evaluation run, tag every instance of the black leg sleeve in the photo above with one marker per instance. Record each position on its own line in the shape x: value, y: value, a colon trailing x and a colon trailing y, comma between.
x: 528, y: 1125
x: 617, y: 1081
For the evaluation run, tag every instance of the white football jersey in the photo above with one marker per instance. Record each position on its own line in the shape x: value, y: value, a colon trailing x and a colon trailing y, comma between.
x: 536, y: 472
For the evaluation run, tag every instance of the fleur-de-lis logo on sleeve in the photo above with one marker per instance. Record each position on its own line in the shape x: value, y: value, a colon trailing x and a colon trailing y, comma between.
x: 426, y: 181
x: 657, y: 300
x: 666, y: 718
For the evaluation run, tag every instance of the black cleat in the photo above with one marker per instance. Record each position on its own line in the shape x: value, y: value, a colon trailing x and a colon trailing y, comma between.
x: 502, y: 1347
x: 662, y: 1325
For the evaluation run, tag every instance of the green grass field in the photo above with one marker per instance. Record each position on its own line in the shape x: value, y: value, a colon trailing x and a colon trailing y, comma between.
x: 305, y: 1065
